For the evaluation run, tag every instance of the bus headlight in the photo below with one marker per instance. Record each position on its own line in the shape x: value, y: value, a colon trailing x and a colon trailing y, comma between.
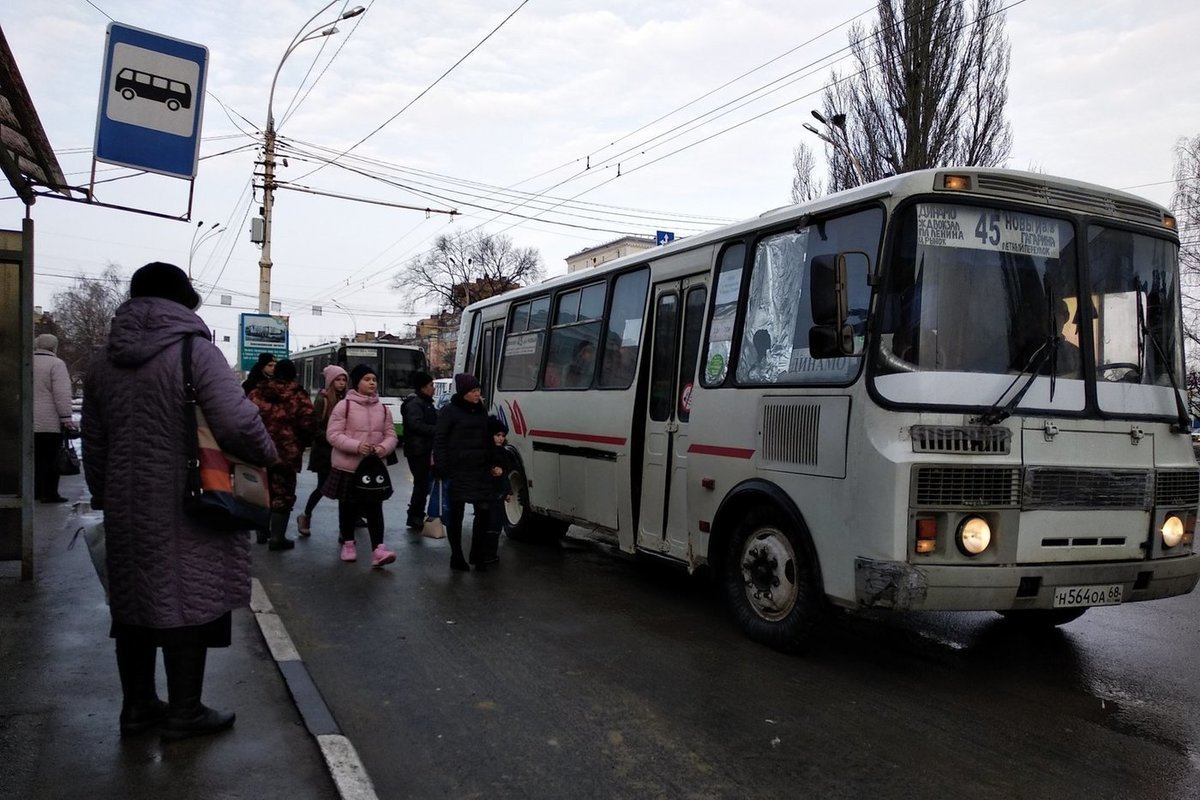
x: 1172, y: 531
x: 974, y: 535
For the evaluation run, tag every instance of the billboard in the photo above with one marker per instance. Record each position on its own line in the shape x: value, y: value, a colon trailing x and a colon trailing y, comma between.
x: 261, y: 333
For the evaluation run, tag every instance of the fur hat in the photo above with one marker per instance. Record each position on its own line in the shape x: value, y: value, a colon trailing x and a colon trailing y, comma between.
x: 496, y: 425
x: 359, y: 372
x: 46, y: 341
x: 465, y: 382
x: 331, y: 372
x: 420, y: 380
x: 158, y: 279
x: 285, y: 370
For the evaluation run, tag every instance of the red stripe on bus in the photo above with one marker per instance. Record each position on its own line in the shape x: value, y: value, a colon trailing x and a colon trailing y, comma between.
x: 714, y: 450
x: 591, y: 438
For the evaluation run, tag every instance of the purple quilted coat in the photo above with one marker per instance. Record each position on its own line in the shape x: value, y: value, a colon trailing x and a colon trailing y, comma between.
x: 164, y: 570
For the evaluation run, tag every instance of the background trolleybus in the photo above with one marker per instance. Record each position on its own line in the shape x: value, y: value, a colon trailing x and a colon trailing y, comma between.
x: 950, y: 389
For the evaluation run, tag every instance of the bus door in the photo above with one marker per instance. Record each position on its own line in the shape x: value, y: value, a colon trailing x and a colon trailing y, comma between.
x: 675, y: 327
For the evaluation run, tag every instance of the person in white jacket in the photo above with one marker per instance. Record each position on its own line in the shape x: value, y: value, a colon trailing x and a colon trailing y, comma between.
x: 51, y: 414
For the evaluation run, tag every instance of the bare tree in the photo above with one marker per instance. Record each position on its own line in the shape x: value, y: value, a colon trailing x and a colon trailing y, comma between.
x: 465, y: 267
x: 804, y: 186
x: 84, y: 314
x: 928, y: 89
x: 1186, y: 205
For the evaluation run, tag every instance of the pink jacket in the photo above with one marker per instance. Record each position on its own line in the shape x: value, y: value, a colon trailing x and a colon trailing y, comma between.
x: 356, y: 419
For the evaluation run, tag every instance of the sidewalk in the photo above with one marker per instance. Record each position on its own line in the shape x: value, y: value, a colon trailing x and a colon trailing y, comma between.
x: 61, y: 696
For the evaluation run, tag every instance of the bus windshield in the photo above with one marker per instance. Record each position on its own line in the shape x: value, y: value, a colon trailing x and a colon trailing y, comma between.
x: 978, y: 296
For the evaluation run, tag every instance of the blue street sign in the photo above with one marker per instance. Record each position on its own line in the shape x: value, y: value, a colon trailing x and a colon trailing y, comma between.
x: 664, y: 237
x: 151, y: 102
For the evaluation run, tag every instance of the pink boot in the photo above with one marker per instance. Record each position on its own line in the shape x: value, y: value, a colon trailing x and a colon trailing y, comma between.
x: 381, y: 555
x: 349, y: 553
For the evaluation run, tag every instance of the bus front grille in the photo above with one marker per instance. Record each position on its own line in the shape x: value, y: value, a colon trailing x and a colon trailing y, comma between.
x: 966, y: 487
x: 1058, y: 487
x: 1177, y: 487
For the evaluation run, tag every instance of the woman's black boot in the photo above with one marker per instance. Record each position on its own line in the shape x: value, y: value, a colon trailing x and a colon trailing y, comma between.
x: 141, y: 709
x: 186, y: 715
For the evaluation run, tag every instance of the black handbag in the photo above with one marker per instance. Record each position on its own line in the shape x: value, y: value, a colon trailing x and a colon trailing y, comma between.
x: 68, y: 459
x: 372, y: 483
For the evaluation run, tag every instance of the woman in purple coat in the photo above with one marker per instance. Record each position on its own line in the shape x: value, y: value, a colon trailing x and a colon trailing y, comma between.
x: 172, y: 582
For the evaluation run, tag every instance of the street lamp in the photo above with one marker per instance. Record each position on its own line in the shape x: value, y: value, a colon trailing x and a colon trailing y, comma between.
x: 212, y: 231
x: 264, y: 263
x: 838, y: 123
x: 350, y: 314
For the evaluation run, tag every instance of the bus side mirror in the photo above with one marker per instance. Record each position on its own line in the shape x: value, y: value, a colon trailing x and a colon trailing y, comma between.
x: 830, y: 336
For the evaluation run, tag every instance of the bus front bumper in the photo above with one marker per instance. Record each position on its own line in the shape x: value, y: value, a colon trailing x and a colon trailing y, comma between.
x: 909, y: 587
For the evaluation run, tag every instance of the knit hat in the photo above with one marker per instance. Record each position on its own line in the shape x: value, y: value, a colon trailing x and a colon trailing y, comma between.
x: 420, y: 380
x: 263, y: 360
x: 331, y: 372
x: 465, y: 382
x: 46, y: 341
x: 359, y: 372
x: 496, y: 425
x: 285, y: 370
x: 158, y: 279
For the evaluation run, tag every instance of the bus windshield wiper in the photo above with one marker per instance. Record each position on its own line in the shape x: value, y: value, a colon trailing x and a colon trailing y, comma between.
x: 1048, y: 350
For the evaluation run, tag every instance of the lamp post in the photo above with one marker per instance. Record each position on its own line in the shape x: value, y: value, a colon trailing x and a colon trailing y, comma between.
x: 838, y: 123
x: 212, y: 231
x: 264, y: 262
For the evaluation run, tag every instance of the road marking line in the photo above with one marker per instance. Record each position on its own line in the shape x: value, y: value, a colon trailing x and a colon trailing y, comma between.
x: 345, y: 767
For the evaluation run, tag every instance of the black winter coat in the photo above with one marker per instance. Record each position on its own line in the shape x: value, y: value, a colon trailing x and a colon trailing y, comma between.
x: 420, y: 424
x: 462, y: 450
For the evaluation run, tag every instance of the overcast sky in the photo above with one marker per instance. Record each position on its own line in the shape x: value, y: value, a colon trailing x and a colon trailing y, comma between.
x: 564, y: 100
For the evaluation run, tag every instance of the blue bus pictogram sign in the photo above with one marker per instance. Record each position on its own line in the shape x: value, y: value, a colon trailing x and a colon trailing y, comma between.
x: 151, y: 102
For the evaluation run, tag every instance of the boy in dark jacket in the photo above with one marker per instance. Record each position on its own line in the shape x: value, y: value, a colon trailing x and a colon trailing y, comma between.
x: 484, y: 552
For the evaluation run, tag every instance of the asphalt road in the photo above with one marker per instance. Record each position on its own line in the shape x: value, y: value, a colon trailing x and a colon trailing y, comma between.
x: 570, y: 672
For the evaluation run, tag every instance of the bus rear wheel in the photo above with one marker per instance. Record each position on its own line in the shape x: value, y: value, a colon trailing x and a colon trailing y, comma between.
x: 1034, y: 618
x: 523, y: 523
x: 770, y: 583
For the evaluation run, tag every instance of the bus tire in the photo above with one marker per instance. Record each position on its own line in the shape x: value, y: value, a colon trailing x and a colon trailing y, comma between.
x: 523, y: 524
x: 1043, y: 618
x: 769, y: 580
x: 128, y: 94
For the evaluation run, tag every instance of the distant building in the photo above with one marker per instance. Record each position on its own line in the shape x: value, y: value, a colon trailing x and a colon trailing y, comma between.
x: 610, y: 251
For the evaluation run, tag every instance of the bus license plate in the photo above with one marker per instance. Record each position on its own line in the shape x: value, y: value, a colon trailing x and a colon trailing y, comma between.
x: 1075, y: 596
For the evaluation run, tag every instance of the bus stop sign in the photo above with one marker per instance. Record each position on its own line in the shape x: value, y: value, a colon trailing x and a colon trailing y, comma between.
x: 151, y: 102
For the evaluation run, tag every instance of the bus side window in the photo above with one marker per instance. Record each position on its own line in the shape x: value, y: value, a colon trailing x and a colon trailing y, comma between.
x: 524, y: 344
x: 623, y: 330
x: 720, y: 331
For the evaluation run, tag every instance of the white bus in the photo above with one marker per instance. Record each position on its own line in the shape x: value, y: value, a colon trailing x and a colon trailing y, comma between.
x: 394, y: 365
x: 951, y: 389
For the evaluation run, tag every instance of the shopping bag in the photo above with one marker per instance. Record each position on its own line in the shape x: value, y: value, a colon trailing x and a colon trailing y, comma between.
x: 434, y: 528
x: 93, y: 535
x: 438, y: 501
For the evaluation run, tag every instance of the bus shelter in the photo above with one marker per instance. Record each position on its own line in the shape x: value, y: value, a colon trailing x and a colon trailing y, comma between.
x: 27, y: 161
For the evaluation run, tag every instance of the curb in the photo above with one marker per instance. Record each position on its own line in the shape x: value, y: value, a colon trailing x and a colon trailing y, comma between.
x: 345, y: 767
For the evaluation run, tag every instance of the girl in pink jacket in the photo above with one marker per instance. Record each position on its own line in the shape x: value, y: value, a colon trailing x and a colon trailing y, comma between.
x: 359, y: 426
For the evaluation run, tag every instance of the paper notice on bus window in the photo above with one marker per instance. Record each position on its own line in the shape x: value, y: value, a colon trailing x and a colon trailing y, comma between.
x: 524, y: 345
x: 971, y: 228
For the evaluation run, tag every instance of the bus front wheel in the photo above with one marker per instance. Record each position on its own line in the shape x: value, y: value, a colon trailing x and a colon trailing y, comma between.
x: 770, y: 582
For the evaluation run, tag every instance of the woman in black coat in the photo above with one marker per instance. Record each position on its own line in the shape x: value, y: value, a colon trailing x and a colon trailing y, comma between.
x: 461, y: 455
